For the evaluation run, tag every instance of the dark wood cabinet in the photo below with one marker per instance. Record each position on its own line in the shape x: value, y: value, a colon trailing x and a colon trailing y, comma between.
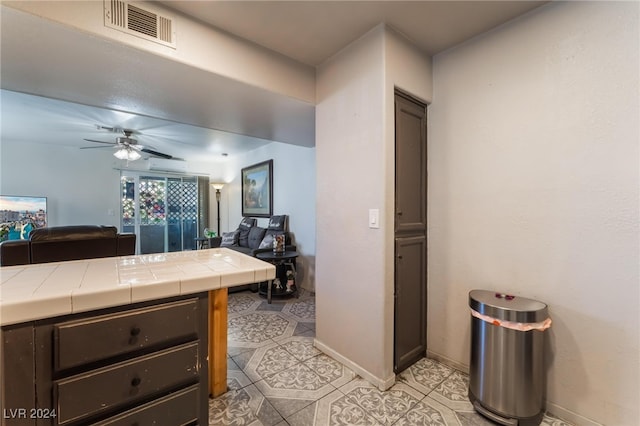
x: 178, y: 408
x: 411, y: 167
x: 410, y: 293
x: 141, y: 364
x: 17, y: 363
x: 123, y: 332
x: 411, y: 341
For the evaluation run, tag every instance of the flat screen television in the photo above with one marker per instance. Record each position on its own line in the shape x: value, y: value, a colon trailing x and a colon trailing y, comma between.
x: 21, y: 214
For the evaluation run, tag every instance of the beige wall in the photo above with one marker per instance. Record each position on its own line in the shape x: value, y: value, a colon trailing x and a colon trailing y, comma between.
x: 355, y: 150
x: 350, y: 256
x: 533, y: 190
x: 408, y: 69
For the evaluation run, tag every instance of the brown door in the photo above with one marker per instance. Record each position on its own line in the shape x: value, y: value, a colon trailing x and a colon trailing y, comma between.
x: 410, y: 337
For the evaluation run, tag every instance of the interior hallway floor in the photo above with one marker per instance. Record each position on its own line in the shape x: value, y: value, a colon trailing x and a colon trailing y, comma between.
x: 276, y: 377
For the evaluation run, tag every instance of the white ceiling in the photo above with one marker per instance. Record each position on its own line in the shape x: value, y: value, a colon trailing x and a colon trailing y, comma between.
x: 199, y: 116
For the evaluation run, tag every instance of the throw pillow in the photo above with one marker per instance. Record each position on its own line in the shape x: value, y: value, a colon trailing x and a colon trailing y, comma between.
x: 276, y: 232
x: 255, y: 236
x: 229, y: 239
x: 267, y: 242
x: 245, y: 226
x: 277, y: 222
x: 247, y: 222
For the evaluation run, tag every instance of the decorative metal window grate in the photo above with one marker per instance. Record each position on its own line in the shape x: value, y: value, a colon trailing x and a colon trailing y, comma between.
x: 165, y: 213
x: 182, y: 199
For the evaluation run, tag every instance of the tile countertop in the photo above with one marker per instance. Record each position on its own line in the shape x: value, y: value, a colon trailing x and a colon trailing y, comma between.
x: 45, y: 290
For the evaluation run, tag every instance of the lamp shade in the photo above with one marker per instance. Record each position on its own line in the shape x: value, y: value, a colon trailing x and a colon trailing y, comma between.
x: 217, y: 186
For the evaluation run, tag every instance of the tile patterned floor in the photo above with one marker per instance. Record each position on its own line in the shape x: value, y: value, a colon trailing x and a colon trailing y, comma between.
x: 276, y: 377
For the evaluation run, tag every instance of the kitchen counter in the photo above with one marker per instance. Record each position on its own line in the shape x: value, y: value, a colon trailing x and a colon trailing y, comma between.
x: 32, y: 292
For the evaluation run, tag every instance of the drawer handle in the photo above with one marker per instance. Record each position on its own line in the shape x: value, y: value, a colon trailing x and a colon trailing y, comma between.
x: 134, y: 332
x: 135, y: 382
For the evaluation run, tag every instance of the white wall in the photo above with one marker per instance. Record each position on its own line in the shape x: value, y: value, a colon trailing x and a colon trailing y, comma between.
x: 82, y: 187
x: 294, y: 194
x: 533, y: 190
x: 350, y: 268
x: 355, y: 152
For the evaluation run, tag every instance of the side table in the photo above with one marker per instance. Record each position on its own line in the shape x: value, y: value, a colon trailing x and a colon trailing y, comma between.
x: 205, y: 243
x: 286, y: 258
x: 201, y: 243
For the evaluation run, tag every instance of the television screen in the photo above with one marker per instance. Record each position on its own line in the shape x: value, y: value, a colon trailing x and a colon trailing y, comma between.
x: 19, y: 215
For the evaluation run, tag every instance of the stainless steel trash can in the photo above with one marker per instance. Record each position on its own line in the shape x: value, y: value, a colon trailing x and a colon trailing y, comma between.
x: 507, y: 375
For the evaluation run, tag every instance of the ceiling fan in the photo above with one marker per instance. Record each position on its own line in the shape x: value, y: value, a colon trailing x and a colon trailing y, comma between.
x: 127, y: 148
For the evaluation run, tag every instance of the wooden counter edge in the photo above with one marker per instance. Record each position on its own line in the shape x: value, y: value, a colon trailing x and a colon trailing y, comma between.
x: 218, y: 300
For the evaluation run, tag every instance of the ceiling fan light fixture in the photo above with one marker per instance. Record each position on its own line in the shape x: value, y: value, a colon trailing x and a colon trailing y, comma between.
x: 127, y: 154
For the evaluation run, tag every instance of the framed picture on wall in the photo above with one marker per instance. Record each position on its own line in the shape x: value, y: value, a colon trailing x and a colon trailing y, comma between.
x: 257, y: 190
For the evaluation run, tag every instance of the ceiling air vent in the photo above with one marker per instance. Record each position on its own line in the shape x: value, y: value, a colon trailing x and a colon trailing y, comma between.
x: 140, y: 20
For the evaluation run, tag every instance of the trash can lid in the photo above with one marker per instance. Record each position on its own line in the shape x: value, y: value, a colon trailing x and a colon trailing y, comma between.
x: 507, y: 307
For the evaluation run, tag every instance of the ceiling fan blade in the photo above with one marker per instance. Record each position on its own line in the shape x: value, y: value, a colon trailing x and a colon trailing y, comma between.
x: 157, y: 154
x: 93, y: 147
x: 92, y: 140
x: 114, y: 129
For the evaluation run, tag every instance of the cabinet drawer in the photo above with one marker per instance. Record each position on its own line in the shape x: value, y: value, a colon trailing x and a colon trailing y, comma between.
x: 179, y: 408
x: 126, y: 382
x: 83, y: 341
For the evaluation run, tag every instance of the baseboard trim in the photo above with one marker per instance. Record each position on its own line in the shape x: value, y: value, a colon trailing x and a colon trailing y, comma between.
x: 551, y: 408
x: 382, y: 384
x: 569, y: 416
x: 448, y: 361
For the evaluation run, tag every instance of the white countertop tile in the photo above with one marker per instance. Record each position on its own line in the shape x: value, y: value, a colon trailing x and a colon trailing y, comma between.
x: 143, y: 291
x: 233, y: 278
x: 84, y: 298
x: 25, y: 307
x: 200, y: 282
x: 39, y: 291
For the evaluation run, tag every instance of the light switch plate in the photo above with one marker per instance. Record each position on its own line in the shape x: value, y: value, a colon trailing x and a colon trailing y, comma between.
x: 374, y: 218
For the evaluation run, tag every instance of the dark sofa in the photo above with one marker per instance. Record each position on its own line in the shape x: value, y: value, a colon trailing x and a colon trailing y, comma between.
x: 62, y: 243
x: 250, y: 239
